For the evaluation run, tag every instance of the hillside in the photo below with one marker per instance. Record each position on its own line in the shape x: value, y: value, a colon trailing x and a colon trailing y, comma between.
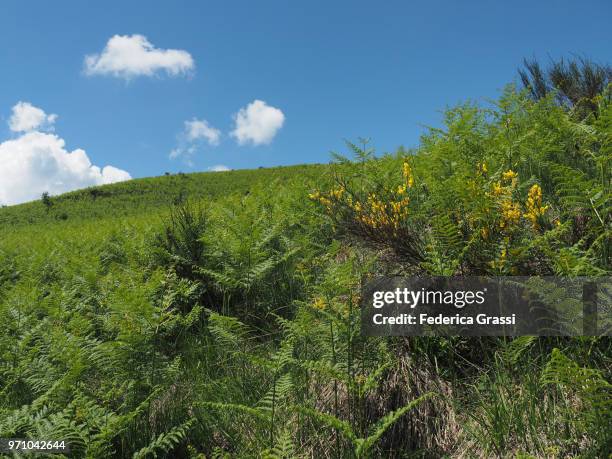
x: 146, y: 195
x: 217, y: 314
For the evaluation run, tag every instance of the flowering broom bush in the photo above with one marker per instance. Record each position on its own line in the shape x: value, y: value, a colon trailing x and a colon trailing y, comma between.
x: 380, y: 215
x: 490, y: 194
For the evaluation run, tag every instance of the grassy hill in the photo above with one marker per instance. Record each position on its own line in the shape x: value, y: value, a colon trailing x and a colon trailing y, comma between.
x: 146, y: 195
x: 216, y: 314
x: 90, y: 215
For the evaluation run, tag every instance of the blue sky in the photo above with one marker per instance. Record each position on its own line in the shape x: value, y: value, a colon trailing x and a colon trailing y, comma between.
x: 335, y: 70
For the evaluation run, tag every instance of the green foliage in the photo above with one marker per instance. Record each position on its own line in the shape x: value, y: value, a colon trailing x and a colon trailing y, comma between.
x: 150, y: 197
x: 47, y: 202
x: 180, y: 246
x: 217, y: 315
x: 362, y: 447
x: 593, y: 392
x: 164, y: 442
x: 576, y: 83
x: 523, y: 188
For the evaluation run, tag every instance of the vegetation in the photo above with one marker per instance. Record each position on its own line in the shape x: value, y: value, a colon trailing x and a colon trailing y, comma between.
x: 217, y: 314
x: 576, y: 83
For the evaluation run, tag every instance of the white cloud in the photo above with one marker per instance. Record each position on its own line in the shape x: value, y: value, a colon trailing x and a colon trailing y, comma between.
x: 195, y: 134
x: 219, y: 168
x: 200, y: 129
x: 128, y: 56
x: 36, y: 162
x: 257, y: 123
x: 26, y: 117
x: 175, y: 153
x: 111, y: 174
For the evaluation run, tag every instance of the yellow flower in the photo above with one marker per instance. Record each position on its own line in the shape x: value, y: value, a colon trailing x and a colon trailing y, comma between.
x: 326, y: 202
x: 498, y: 190
x: 534, y: 205
x: 511, y: 214
x: 319, y: 303
x: 337, y: 193
x: 407, y: 171
x: 509, y: 175
x: 401, y: 189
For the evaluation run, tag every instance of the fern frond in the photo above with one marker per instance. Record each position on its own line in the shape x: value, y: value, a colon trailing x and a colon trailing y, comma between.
x: 164, y: 442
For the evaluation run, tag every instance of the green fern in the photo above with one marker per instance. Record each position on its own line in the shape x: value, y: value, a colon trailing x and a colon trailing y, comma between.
x: 362, y: 446
x: 165, y: 442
